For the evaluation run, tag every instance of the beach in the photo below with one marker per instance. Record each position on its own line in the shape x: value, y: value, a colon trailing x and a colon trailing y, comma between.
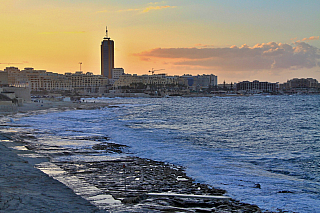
x: 130, y: 180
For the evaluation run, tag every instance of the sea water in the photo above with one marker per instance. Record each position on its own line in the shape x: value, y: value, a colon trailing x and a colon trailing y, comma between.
x: 232, y: 143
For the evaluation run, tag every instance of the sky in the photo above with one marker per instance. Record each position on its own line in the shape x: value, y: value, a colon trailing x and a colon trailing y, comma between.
x: 237, y: 40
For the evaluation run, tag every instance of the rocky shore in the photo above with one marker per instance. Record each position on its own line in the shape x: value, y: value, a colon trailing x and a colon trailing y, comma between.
x: 128, y: 179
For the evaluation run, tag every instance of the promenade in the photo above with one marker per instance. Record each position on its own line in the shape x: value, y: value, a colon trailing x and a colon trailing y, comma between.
x: 24, y: 188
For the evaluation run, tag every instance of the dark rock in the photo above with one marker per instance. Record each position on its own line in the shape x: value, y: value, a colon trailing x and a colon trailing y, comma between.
x: 110, y: 147
x: 135, y: 199
x: 257, y: 185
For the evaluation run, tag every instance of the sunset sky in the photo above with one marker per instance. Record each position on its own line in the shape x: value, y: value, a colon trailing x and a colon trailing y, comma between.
x: 237, y: 40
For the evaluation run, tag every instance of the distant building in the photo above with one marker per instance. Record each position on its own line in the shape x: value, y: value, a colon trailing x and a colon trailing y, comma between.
x: 16, y: 78
x: 199, y: 81
x: 40, y: 80
x: 22, y: 94
x: 256, y: 87
x: 87, y: 82
x: 158, y: 79
x: 300, y: 83
x: 165, y: 82
x: 3, y: 78
x: 116, y: 73
x: 107, y: 56
x: 37, y: 79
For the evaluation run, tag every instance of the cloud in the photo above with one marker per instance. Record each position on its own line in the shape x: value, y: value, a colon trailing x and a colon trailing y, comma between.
x: 309, y: 39
x: 264, y: 56
x: 142, y: 10
x: 147, y: 9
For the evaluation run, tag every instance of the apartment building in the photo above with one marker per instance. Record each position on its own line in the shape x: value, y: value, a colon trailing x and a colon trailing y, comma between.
x: 39, y: 80
x: 199, y: 81
x: 256, y: 86
x: 300, y: 83
x: 157, y: 79
x: 87, y: 82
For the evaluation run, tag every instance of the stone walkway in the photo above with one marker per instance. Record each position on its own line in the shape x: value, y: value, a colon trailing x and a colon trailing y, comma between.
x: 24, y: 188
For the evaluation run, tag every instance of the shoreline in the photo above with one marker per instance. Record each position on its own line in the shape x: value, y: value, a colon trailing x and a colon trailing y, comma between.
x: 24, y: 188
x: 152, y: 176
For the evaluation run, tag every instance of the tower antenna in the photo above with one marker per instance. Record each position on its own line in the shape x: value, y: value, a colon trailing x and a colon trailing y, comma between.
x: 107, y: 33
x: 80, y: 65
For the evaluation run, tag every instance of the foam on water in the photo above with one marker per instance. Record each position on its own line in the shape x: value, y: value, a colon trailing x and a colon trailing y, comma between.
x: 230, y: 143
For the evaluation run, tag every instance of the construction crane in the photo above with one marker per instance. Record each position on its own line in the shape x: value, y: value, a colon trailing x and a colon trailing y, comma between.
x: 152, y: 71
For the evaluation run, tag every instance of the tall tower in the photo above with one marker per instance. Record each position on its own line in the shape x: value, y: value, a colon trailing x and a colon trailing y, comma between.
x: 107, y: 56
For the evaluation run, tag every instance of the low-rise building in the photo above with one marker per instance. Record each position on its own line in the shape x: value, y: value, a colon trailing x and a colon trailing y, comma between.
x: 21, y: 93
x: 300, y: 83
x: 199, y: 82
x: 87, y: 82
x: 256, y: 87
x: 126, y: 80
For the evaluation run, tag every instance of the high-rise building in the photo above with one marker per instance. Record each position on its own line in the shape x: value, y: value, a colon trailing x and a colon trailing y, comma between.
x: 107, y: 56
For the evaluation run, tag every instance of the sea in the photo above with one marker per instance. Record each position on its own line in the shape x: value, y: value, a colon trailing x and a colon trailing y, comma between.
x: 262, y: 150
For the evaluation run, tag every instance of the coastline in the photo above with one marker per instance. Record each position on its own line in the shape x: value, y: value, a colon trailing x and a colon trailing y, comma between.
x: 155, y: 177
x: 24, y: 188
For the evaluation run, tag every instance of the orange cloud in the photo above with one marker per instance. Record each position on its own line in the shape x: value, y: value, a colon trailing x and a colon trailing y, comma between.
x: 142, y: 10
x: 311, y: 38
x: 263, y: 56
x: 157, y: 8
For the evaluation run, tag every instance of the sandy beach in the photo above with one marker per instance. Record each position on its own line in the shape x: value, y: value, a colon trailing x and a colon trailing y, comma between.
x: 25, y: 188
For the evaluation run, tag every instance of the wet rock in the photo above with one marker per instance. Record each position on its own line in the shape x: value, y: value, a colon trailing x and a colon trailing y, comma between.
x: 110, y: 147
x: 135, y: 199
x: 30, y: 146
x: 130, y: 178
x: 257, y: 185
x: 93, y: 138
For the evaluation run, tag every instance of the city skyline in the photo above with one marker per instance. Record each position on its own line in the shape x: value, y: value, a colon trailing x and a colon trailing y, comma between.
x: 236, y: 40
